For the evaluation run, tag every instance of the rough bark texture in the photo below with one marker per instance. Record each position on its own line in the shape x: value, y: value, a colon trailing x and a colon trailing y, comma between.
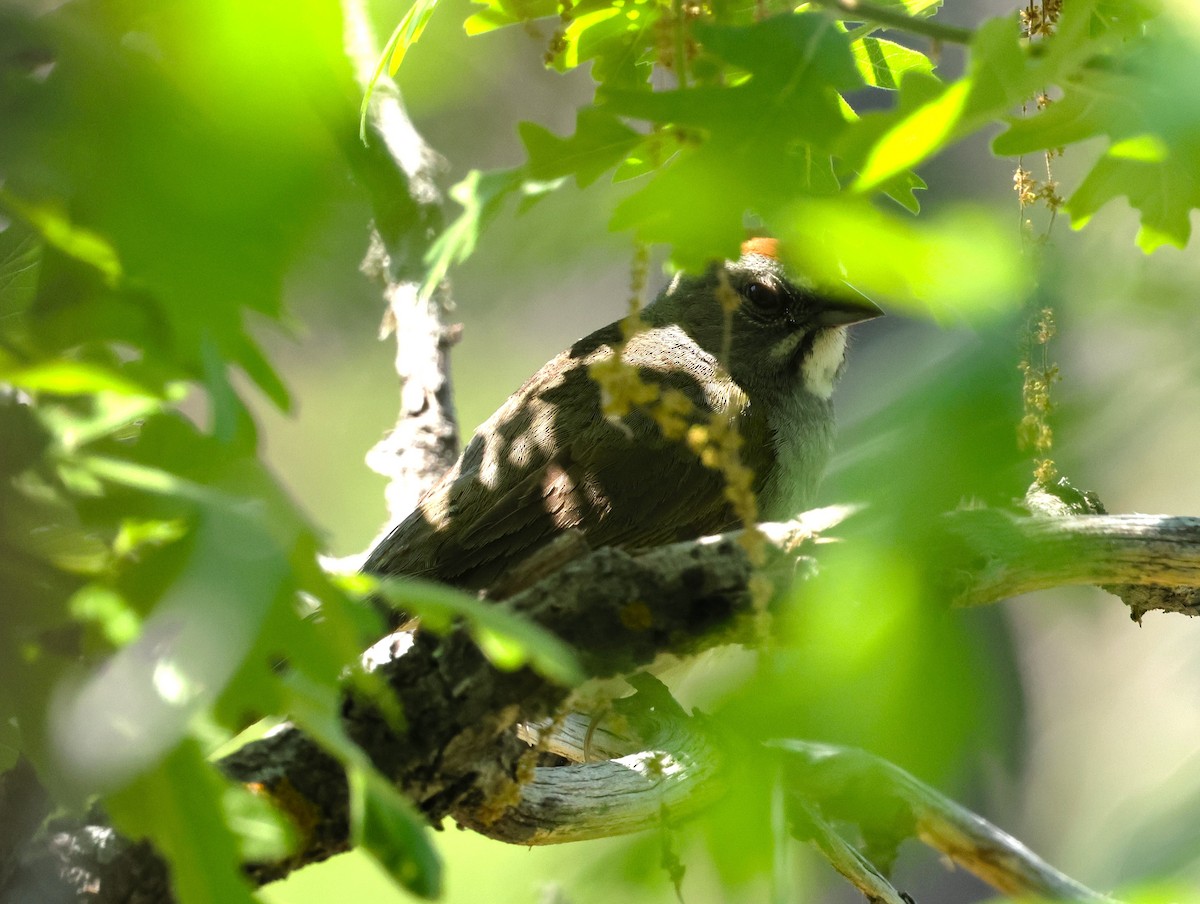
x: 397, y: 169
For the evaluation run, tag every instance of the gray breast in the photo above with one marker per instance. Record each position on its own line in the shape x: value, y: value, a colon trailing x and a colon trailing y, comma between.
x: 802, y: 426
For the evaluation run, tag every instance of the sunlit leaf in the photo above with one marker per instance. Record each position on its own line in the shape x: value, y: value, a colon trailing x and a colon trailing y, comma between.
x: 65, y: 377
x: 408, y: 32
x: 499, y: 13
x: 884, y: 63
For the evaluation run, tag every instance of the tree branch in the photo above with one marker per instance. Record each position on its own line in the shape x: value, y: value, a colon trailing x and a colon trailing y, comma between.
x: 1151, y: 561
x: 461, y: 753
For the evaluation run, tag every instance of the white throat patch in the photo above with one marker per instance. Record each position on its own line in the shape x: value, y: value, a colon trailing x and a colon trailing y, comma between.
x: 821, y: 366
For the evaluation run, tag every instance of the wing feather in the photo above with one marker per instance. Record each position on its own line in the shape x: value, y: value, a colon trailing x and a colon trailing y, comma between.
x: 549, y: 461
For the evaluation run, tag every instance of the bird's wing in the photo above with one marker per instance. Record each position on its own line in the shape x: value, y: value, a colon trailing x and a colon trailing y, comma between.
x: 565, y: 467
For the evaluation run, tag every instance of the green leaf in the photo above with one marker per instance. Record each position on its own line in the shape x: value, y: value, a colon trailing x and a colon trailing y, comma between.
x: 1165, y: 194
x: 408, y: 32
x: 1153, y: 129
x: 177, y: 803
x: 929, y: 117
x: 56, y: 229
x: 109, y: 414
x: 140, y: 701
x: 381, y: 820
x: 963, y: 265
x: 404, y: 36
x: 1086, y: 111
x: 170, y: 215
x: 263, y: 833
x: 20, y: 262
x: 500, y: 13
x: 66, y: 377
x: 480, y: 195
x: 920, y: 8
x: 751, y: 146
x: 884, y: 63
x: 915, y: 138
x: 600, y: 142
x: 617, y: 38
x: 103, y: 606
x: 385, y: 825
x: 515, y: 640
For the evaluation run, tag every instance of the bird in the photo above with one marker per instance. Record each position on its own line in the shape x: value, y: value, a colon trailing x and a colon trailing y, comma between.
x: 747, y: 344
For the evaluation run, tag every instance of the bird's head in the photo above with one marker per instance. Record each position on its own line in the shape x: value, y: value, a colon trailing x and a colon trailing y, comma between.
x: 769, y: 328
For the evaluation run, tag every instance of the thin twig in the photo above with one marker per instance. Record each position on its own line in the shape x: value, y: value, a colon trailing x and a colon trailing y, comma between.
x: 965, y: 837
x: 846, y: 859
x: 867, y: 12
x: 397, y: 169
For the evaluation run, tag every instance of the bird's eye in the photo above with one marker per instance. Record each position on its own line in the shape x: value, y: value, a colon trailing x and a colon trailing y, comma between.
x: 765, y: 298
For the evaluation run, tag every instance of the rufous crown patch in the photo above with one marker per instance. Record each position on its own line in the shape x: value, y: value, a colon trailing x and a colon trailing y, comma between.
x: 767, y: 247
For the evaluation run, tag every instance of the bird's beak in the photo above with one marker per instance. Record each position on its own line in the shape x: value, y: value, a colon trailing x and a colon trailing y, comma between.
x: 845, y: 311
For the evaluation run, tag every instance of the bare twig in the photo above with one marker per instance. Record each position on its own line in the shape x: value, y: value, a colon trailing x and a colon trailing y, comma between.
x: 843, y: 857
x: 397, y: 169
x: 889, y: 18
x: 1012, y: 555
x: 966, y: 838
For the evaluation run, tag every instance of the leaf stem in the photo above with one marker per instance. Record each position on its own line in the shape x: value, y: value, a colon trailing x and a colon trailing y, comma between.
x: 868, y: 12
x: 680, y: 45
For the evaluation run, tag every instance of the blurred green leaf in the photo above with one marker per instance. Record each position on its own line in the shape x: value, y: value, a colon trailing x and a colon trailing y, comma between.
x: 65, y: 377
x: 103, y: 606
x: 380, y: 818
x: 57, y: 230
x: 191, y: 196
x: 515, y: 640
x: 178, y: 804
x: 140, y: 701
x: 263, y: 833
x: 499, y: 13
x: 390, y: 829
x: 964, y: 265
